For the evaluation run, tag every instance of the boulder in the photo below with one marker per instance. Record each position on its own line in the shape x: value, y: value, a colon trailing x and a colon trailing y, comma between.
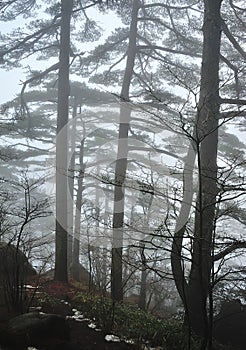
x: 230, y: 324
x: 35, y: 329
x: 15, y: 270
x: 10, y: 257
x: 79, y: 273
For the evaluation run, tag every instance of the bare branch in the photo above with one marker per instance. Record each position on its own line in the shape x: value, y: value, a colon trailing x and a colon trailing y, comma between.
x: 231, y: 248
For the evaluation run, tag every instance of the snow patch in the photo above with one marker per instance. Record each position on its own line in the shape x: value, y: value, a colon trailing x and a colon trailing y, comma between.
x: 92, y: 325
x: 112, y: 337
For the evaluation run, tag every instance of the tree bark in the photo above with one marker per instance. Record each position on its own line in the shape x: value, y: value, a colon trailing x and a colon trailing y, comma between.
x: 194, y: 292
x: 143, y: 281
x: 71, y: 171
x: 77, y: 227
x: 61, y: 144
x: 121, y: 163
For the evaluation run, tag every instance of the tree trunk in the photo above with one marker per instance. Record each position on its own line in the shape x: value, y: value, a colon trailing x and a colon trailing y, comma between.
x: 77, y: 227
x: 194, y: 292
x: 121, y: 163
x: 61, y: 144
x: 71, y: 171
x: 143, y: 281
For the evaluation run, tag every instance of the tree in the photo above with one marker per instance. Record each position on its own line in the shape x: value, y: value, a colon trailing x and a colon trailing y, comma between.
x: 196, y: 290
x: 61, y: 273
x: 121, y: 162
x: 21, y: 205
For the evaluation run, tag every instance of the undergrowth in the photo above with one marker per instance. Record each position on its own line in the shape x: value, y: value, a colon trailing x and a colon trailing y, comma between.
x: 129, y: 322
x: 126, y: 321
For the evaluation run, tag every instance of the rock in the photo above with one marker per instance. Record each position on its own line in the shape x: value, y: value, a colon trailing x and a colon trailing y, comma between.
x: 15, y: 269
x: 230, y: 324
x: 79, y: 273
x: 35, y: 329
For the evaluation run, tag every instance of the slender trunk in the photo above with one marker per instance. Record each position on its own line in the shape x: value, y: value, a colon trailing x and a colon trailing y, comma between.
x: 61, y: 144
x: 121, y: 163
x: 77, y: 226
x: 104, y: 271
x: 144, y: 272
x: 71, y: 186
x: 143, y: 282
x: 194, y: 292
x: 207, y: 134
x: 105, y: 250
x: 96, y: 250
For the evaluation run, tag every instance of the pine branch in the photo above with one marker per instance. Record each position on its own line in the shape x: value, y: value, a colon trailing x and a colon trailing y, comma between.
x: 36, y: 36
x: 233, y: 114
x: 233, y: 101
x: 169, y: 6
x: 35, y: 77
x: 231, y: 248
x: 166, y: 49
x: 231, y: 38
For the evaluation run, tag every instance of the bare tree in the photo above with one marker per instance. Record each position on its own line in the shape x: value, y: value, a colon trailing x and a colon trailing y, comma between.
x: 23, y: 206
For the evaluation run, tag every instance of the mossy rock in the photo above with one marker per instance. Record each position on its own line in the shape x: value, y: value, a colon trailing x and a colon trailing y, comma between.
x: 34, y: 329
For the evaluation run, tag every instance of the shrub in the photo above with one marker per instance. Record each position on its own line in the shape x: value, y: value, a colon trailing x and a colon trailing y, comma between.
x: 129, y: 322
x: 45, y: 301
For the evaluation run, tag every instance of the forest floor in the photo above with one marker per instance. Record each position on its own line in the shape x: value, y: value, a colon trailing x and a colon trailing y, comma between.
x: 88, y: 339
x: 83, y: 334
x: 85, y: 338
